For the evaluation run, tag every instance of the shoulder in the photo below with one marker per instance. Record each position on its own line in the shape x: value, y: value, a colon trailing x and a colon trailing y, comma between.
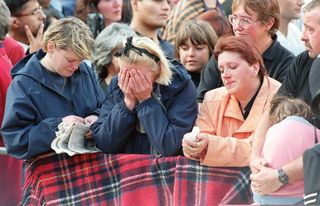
x: 272, y: 82
x: 217, y: 94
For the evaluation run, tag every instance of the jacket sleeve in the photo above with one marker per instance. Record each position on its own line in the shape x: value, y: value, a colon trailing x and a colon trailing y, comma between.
x: 221, y: 151
x: 165, y: 129
x: 100, y: 95
x: 23, y: 137
x: 115, y: 123
x: 209, y: 79
x: 227, y: 152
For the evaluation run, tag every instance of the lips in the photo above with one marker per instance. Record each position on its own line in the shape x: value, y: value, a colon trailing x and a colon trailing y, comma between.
x: 228, y: 84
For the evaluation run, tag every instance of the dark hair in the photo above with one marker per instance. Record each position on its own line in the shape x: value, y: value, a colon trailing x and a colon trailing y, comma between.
x: 15, y: 6
x: 199, y: 32
x: 247, y: 49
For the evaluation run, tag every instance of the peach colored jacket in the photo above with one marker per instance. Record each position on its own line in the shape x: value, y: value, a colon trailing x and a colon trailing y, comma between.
x: 230, y: 135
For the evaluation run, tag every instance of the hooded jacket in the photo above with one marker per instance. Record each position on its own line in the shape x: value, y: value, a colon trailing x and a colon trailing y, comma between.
x: 156, y: 125
x: 34, y: 107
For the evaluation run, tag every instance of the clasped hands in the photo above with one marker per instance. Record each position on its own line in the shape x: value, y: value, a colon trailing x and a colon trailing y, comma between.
x: 135, y: 85
x: 195, y: 148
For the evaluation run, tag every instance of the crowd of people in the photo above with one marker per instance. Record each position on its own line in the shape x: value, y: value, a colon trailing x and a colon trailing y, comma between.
x: 143, y: 73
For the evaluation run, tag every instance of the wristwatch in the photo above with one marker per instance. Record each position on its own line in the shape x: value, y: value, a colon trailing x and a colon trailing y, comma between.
x: 283, y: 177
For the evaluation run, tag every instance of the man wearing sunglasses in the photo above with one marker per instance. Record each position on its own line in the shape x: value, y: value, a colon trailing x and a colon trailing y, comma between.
x: 257, y: 20
x: 27, y: 22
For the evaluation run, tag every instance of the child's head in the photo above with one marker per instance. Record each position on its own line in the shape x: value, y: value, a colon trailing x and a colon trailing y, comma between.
x: 194, y: 44
x: 284, y: 106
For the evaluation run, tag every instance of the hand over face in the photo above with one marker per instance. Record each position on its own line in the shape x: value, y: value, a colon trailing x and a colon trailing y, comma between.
x: 140, y: 85
x: 123, y: 82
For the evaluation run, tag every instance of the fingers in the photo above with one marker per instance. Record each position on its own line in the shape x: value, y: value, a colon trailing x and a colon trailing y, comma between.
x: 193, y: 148
x: 40, y: 31
x: 72, y: 119
x: 28, y: 33
x: 89, y: 135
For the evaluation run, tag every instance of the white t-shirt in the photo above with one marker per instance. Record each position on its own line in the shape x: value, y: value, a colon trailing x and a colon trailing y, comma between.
x: 293, y: 39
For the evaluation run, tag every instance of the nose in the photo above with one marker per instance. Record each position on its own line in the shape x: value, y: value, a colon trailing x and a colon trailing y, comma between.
x: 42, y: 15
x: 191, y: 51
x: 225, y: 74
x: 166, y: 5
x: 304, y: 36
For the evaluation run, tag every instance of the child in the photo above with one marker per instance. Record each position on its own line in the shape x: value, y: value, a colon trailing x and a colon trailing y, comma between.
x: 290, y: 135
x: 194, y: 45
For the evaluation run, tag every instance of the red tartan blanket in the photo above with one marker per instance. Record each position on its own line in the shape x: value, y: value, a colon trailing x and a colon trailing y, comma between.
x: 101, y: 179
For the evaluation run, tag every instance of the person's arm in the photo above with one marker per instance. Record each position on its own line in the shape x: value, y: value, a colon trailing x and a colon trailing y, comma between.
x: 165, y: 129
x: 258, y: 140
x: 210, y: 79
x: 23, y: 137
x: 115, y: 123
x: 294, y: 170
x: 267, y: 180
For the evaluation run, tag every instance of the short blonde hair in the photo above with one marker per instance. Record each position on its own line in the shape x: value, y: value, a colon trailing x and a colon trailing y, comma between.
x: 71, y: 33
x: 154, y: 49
x: 284, y: 106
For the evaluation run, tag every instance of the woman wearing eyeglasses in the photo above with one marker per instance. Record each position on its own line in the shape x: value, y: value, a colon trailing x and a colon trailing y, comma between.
x: 150, y: 105
x: 258, y: 21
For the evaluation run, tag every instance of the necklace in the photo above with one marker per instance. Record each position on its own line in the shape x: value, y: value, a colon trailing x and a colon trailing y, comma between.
x: 54, y: 84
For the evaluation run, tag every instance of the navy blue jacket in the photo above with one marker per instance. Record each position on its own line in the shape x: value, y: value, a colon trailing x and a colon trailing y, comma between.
x: 164, y: 123
x: 34, y: 107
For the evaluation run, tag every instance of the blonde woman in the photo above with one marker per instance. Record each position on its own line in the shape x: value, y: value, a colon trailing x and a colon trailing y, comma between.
x: 50, y: 87
x: 151, y: 104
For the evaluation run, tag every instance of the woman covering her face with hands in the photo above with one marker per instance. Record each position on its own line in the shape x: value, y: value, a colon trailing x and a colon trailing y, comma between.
x: 150, y: 105
x: 229, y: 114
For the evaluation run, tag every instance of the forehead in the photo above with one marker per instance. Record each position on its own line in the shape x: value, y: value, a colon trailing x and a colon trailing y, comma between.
x: 227, y: 57
x: 312, y: 18
x: 69, y: 54
x: 242, y: 11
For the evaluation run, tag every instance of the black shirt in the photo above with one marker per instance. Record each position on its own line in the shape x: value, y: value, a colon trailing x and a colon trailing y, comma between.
x: 296, y: 83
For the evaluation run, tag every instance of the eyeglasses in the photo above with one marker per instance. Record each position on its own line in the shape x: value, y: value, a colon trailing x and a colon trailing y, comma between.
x: 36, y: 11
x: 243, y: 22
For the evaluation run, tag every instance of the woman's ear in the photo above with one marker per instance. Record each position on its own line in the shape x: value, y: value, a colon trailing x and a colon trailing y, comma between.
x: 50, y: 46
x: 269, y: 24
x: 255, y: 68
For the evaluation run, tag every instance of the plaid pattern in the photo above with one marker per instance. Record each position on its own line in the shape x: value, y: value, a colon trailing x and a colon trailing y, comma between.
x: 101, y: 179
x: 185, y: 10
